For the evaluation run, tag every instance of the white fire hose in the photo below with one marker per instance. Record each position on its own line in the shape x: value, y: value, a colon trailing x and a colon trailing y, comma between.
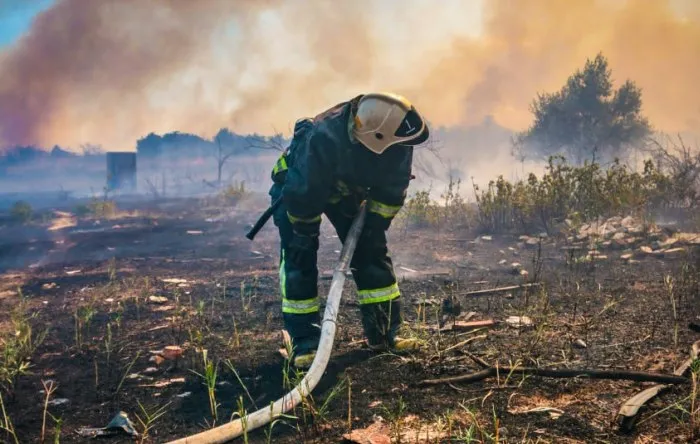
x: 227, y: 432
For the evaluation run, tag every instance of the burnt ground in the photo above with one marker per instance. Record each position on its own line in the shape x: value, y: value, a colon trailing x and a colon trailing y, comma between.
x: 76, y: 280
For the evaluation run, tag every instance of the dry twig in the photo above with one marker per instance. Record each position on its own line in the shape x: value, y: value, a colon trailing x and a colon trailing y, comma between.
x: 560, y: 373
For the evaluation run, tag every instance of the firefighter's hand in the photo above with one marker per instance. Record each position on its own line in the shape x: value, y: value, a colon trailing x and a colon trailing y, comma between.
x: 302, y: 250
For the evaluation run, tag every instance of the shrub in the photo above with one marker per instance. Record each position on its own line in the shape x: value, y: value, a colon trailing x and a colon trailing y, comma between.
x: 97, y: 208
x: 582, y: 193
x: 419, y: 210
x: 234, y: 193
x: 21, y: 212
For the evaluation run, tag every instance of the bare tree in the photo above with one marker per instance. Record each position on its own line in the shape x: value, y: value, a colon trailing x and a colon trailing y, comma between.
x: 431, y: 148
x: 274, y: 143
x: 222, y: 156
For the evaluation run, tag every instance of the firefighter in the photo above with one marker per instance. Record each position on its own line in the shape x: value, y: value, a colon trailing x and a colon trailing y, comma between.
x: 361, y: 149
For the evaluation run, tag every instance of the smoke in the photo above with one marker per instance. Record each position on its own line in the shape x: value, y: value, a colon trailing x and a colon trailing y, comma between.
x: 110, y: 72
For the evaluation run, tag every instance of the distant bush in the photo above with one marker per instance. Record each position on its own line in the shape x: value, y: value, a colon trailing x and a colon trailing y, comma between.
x: 234, y: 193
x: 578, y: 193
x: 97, y: 208
x: 21, y: 212
x: 419, y: 210
x: 451, y: 211
x: 581, y: 193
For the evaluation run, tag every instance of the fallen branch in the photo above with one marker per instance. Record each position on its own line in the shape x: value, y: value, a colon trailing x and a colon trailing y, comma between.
x: 475, y: 358
x: 629, y: 412
x: 463, y: 343
x: 500, y: 289
x: 559, y: 373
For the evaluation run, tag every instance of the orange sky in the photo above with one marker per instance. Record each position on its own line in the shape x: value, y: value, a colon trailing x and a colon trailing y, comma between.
x: 112, y: 71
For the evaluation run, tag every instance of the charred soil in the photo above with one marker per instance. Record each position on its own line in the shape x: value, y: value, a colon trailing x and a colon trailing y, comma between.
x: 129, y: 304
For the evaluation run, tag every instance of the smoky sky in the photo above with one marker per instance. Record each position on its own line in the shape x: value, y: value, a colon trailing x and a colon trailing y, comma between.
x: 111, y: 71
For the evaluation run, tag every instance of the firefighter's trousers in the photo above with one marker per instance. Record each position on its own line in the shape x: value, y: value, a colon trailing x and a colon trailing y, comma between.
x: 372, y: 270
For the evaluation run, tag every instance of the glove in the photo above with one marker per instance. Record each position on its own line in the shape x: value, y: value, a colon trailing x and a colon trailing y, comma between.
x: 301, y: 251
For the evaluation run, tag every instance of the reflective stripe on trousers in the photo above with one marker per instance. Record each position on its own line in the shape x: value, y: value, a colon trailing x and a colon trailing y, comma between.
x: 305, y: 306
x: 377, y: 295
x: 300, y: 307
x: 384, y: 210
x: 303, y: 220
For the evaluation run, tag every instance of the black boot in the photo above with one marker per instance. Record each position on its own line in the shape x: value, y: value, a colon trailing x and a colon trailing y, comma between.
x: 305, y: 335
x: 381, y: 322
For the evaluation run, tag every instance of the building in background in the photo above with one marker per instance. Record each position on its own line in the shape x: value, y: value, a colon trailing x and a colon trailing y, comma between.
x: 121, y: 171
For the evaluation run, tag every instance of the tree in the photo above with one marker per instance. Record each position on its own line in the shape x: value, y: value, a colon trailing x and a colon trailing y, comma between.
x: 587, y: 119
x: 223, y: 137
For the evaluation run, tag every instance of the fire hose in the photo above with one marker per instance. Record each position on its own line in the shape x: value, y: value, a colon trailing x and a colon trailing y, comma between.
x: 227, y: 432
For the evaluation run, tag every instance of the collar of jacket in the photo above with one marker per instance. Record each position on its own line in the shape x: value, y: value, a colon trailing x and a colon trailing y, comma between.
x: 351, y: 117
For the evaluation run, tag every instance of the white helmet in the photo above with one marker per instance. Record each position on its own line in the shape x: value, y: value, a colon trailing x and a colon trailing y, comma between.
x: 385, y: 119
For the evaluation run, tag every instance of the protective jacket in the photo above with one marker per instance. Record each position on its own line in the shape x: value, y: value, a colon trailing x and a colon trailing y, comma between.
x: 324, y: 164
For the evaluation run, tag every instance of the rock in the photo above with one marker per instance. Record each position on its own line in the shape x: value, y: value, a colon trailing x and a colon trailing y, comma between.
x: 615, y: 220
x: 172, y: 352
x: 637, y: 229
x: 619, y: 236
x: 157, y: 299
x: 515, y: 267
x: 646, y: 249
x: 524, y: 273
x: 502, y: 262
x: 486, y: 238
x: 157, y: 359
x: 579, y: 343
x: 519, y: 321
x: 626, y: 257
x: 532, y: 242
x: 607, y: 231
x: 628, y: 222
